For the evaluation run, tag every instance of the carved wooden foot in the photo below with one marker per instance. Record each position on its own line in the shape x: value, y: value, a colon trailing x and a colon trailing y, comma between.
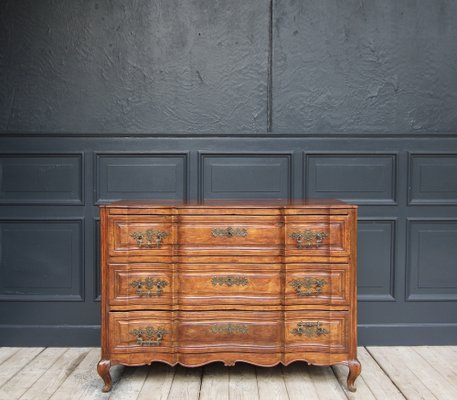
x: 103, y: 370
x: 355, y: 368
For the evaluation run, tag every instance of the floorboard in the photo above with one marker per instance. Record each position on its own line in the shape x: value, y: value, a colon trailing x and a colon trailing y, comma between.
x: 243, y: 382
x: 15, y: 387
x: 215, y: 382
x: 18, y: 361
x: 401, y: 372
x: 298, y: 382
x: 393, y: 373
x: 186, y: 384
x: 158, y: 382
x: 52, y: 379
x: 271, y: 383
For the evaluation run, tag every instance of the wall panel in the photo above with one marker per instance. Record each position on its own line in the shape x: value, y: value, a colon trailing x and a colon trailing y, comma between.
x: 359, y: 178
x: 432, y: 260
x: 245, y: 176
x: 425, y: 188
x: 141, y: 176
x: 41, y: 260
x: 376, y: 261
x: 41, y: 179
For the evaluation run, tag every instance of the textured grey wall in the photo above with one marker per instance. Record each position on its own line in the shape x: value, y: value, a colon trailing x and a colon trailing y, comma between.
x: 238, y: 66
x: 136, y: 66
x: 365, y: 66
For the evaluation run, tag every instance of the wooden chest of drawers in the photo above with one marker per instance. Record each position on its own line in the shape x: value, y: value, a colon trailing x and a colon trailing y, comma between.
x: 263, y: 283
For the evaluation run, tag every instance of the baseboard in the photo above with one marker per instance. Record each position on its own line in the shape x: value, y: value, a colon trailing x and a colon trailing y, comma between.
x: 50, y: 335
x: 407, y: 334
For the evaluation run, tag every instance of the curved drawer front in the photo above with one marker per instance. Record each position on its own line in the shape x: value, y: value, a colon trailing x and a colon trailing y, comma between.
x: 327, y: 284
x: 230, y: 235
x: 225, y: 331
x: 317, y: 331
x: 317, y: 235
x: 140, y: 236
x: 141, y: 332
x: 142, y: 285
x: 241, y: 284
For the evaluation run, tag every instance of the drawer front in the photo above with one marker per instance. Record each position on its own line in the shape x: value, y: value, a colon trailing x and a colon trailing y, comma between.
x: 317, y: 331
x: 318, y: 284
x: 230, y: 234
x: 140, y: 236
x: 141, y: 332
x: 219, y: 284
x: 144, y: 285
x: 226, y: 331
x: 319, y: 235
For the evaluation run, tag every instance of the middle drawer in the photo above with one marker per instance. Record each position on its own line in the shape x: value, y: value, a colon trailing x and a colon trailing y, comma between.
x: 219, y: 286
x: 226, y: 284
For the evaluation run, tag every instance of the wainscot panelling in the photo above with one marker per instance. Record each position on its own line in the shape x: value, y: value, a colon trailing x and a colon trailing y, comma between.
x: 432, y: 260
x: 41, y: 179
x: 140, y: 176
x: 245, y: 176
x: 361, y: 178
x: 49, y: 262
x: 96, y: 258
x: 424, y: 187
x: 41, y: 260
x: 376, y: 260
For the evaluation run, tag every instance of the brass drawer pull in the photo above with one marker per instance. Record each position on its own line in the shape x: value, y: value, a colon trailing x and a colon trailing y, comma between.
x: 149, y: 237
x: 309, y: 329
x: 308, y: 239
x: 144, y: 287
x: 229, y: 232
x: 308, y: 286
x: 229, y: 280
x: 149, y: 336
x: 229, y: 329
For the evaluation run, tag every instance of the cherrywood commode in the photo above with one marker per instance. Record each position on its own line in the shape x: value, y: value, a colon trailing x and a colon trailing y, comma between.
x: 263, y: 283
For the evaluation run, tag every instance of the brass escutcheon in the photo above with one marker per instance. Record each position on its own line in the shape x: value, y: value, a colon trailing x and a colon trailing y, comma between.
x: 229, y: 280
x: 149, y: 237
x: 308, y: 286
x: 308, y: 239
x: 229, y: 328
x: 145, y: 287
x: 149, y: 336
x: 229, y: 232
x: 309, y: 329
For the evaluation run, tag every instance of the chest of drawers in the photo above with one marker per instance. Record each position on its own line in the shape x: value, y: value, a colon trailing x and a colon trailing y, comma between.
x: 263, y: 283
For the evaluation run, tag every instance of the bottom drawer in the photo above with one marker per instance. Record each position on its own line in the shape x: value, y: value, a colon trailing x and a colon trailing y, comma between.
x: 317, y: 331
x: 141, y: 331
x: 225, y: 331
x: 229, y: 331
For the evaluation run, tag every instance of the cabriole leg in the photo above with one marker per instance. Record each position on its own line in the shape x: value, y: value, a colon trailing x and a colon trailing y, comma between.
x: 354, y: 371
x: 103, y: 370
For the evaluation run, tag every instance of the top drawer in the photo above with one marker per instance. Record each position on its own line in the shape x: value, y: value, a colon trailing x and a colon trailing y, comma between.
x: 318, y: 235
x: 140, y: 236
x: 230, y: 234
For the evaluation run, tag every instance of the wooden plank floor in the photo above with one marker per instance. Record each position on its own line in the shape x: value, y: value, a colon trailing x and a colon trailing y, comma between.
x: 388, y: 373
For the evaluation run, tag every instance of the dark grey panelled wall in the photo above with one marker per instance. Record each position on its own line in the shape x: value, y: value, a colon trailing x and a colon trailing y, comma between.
x: 209, y: 99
